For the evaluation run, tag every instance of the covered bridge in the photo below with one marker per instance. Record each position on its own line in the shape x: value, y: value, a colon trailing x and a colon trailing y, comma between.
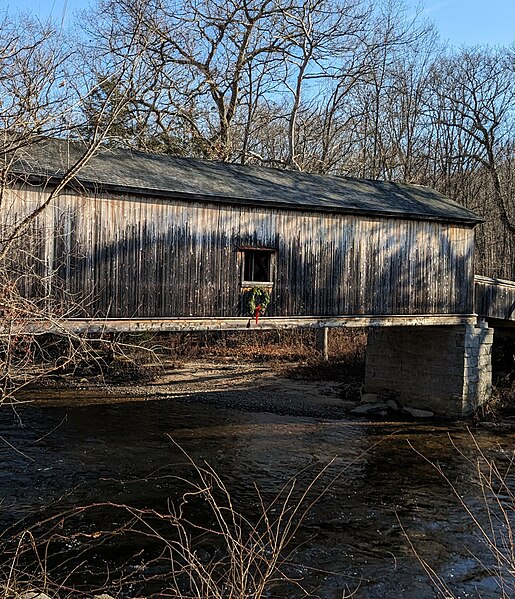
x: 140, y: 242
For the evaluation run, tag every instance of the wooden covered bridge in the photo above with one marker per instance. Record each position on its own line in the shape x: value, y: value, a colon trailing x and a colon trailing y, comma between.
x: 144, y: 242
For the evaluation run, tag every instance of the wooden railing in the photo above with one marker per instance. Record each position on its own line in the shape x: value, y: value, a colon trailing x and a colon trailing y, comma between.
x: 495, y: 298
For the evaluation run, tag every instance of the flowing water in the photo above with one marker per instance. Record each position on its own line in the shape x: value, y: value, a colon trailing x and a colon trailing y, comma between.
x: 383, y: 499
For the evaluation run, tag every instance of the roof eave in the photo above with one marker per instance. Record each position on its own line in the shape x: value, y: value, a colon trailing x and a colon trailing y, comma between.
x: 79, y: 184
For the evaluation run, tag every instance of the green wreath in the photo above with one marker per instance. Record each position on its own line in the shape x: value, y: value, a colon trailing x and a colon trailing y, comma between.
x: 258, y: 296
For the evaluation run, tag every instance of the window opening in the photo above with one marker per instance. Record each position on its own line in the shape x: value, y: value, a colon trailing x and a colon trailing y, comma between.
x: 257, y: 266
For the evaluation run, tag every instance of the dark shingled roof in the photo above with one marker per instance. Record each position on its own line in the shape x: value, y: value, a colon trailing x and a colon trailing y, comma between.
x: 186, y: 178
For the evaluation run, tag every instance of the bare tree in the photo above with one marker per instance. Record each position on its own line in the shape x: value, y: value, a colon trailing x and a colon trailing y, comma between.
x: 41, y: 94
x: 477, y: 89
x: 326, y: 38
x: 198, y: 59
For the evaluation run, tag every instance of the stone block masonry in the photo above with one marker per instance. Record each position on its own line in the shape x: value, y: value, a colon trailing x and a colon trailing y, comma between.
x: 445, y: 369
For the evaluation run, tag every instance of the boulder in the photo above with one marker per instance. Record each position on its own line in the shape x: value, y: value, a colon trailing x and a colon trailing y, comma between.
x: 393, y: 405
x: 416, y: 413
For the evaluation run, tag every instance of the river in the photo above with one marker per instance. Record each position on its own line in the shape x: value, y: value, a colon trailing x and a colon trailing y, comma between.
x: 383, y: 502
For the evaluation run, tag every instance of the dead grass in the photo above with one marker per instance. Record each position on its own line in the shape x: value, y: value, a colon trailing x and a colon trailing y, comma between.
x: 500, y: 406
x: 258, y: 346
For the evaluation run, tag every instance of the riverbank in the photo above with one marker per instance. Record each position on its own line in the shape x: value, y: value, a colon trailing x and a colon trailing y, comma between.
x: 313, y: 389
x: 279, y: 388
x: 279, y: 373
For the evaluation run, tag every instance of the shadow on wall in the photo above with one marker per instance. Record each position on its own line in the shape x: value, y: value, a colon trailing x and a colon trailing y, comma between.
x: 185, y: 262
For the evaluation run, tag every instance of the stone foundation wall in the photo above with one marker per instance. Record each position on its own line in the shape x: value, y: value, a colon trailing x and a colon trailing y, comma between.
x: 477, y: 343
x: 443, y: 369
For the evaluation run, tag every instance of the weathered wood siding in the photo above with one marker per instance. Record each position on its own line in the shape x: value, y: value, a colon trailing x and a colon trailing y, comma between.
x: 128, y: 256
x: 495, y: 298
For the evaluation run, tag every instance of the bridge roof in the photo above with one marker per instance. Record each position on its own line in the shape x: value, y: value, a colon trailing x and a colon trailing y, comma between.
x: 171, y: 177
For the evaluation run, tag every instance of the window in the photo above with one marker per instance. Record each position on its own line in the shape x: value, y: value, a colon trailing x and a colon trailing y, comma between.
x: 257, y: 265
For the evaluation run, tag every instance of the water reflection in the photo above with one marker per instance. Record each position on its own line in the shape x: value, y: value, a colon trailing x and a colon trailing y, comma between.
x: 351, y: 539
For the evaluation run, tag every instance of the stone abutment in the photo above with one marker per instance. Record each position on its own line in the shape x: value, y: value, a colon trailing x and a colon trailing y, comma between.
x: 445, y: 369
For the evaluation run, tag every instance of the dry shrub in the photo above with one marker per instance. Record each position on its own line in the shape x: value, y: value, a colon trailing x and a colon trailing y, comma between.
x: 503, y: 365
x: 292, y: 353
x: 251, y: 557
x: 280, y: 345
x: 242, y: 345
x: 500, y: 405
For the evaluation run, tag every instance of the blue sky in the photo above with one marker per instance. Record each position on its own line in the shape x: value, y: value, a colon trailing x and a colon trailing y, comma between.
x: 472, y: 22
x: 461, y: 22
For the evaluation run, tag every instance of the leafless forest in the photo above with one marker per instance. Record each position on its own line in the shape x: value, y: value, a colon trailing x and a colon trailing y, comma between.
x: 348, y: 87
x: 357, y: 88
